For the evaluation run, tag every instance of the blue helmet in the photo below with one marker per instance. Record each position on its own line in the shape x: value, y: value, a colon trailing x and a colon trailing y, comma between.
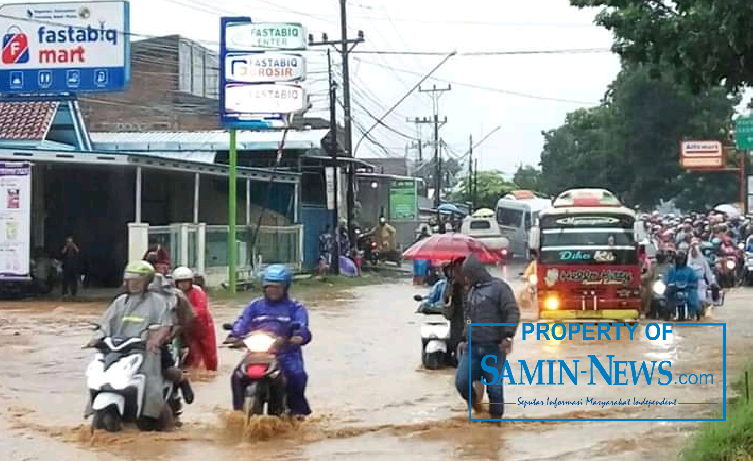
x: 277, y: 274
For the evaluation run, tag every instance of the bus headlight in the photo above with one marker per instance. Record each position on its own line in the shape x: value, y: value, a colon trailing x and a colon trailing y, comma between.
x: 551, y: 303
x: 659, y: 287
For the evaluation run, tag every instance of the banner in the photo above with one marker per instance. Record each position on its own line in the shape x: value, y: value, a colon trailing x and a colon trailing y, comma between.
x: 403, y: 201
x: 15, y: 219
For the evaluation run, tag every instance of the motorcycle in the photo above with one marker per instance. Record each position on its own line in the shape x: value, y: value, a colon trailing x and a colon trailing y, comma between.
x: 659, y: 308
x: 435, y: 335
x: 680, y: 299
x: 725, y: 271
x: 748, y: 269
x: 265, y: 391
x: 116, y: 384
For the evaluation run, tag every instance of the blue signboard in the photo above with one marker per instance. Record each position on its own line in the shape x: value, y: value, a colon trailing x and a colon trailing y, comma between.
x: 257, y: 82
x: 74, y: 47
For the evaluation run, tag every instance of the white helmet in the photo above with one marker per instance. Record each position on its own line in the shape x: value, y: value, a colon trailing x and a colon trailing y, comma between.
x: 182, y: 273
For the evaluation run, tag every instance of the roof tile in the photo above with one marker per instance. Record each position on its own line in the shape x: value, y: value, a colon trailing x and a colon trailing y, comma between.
x: 26, y: 120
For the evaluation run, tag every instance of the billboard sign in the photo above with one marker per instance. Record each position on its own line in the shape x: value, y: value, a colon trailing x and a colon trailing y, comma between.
x: 64, y: 47
x: 264, y: 67
x: 269, y: 98
x: 246, y: 36
x: 15, y: 220
x: 258, y: 87
x: 702, y: 155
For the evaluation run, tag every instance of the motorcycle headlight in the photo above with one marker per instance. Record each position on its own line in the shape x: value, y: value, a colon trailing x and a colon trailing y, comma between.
x: 659, y: 287
x: 730, y: 264
x: 259, y: 342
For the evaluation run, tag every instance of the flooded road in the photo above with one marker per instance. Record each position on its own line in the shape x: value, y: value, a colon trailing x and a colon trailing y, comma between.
x: 372, y: 400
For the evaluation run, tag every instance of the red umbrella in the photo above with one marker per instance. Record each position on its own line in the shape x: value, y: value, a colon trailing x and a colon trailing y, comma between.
x: 445, y: 247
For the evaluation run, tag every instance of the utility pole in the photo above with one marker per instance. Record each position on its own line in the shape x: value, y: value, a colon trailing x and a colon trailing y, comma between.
x: 475, y: 180
x: 436, y: 93
x: 333, y: 153
x: 419, y: 139
x: 346, y: 45
x: 468, y: 189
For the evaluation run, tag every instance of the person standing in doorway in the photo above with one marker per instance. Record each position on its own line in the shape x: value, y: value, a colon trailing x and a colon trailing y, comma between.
x: 71, y: 257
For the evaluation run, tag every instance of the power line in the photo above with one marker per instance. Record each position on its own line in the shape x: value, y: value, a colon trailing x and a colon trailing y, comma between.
x: 481, y: 87
x: 215, y: 44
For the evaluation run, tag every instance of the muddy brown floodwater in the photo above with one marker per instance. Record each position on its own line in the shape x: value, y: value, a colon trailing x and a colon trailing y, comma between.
x: 372, y: 400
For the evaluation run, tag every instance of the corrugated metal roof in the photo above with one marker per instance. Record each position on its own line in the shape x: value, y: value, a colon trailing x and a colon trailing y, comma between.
x: 26, y: 120
x: 201, y: 156
x: 205, y: 140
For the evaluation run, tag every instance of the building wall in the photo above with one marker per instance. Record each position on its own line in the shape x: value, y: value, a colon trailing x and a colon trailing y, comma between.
x: 153, y: 101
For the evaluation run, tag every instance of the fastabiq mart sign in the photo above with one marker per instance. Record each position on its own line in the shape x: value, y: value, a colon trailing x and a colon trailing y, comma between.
x: 702, y: 155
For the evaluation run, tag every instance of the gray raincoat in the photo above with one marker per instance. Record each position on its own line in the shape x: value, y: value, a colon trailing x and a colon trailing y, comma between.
x: 127, y: 317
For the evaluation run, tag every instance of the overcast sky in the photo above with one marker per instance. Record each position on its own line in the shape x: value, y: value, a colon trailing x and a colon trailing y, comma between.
x: 525, y: 94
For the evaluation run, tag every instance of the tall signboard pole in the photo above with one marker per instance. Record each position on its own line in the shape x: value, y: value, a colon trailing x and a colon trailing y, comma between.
x: 260, y: 87
x: 744, y: 143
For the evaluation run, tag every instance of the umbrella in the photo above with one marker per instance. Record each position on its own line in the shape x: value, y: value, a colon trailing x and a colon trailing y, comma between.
x: 729, y: 210
x: 483, y: 213
x: 445, y: 247
x: 448, y: 208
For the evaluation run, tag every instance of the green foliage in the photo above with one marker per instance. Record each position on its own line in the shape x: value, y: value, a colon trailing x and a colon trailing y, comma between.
x: 730, y: 440
x: 491, y: 187
x: 701, y: 43
x: 629, y: 143
x: 527, y: 178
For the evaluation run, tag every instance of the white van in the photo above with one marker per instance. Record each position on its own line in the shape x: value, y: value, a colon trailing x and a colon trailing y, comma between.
x: 485, y: 229
x: 517, y: 212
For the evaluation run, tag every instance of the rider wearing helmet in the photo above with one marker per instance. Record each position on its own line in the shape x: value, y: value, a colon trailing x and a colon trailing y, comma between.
x: 183, y: 316
x: 129, y: 315
x: 202, y: 343
x: 286, y: 318
x: 683, y: 276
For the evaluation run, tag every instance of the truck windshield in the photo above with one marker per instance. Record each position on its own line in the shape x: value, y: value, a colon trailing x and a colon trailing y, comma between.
x: 510, y: 217
x: 583, y: 246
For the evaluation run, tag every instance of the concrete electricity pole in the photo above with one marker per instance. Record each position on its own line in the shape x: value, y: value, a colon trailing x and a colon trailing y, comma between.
x: 436, y: 93
x: 468, y: 190
x: 345, y: 45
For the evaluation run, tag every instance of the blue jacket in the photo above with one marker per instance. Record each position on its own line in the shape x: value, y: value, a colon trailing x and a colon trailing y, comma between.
x: 684, y: 276
x: 276, y: 318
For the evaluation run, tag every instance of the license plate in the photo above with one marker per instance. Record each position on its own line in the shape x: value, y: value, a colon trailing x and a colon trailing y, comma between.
x: 588, y: 314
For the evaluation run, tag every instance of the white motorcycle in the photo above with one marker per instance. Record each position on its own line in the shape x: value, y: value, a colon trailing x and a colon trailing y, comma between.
x: 435, y: 335
x: 117, y: 385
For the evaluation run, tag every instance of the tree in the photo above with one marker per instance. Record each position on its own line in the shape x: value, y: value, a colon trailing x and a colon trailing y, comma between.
x: 629, y: 143
x: 528, y: 178
x: 701, y: 43
x: 491, y: 186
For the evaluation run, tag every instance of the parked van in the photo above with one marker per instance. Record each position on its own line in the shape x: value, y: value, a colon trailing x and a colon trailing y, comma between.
x: 517, y: 212
x: 484, y: 228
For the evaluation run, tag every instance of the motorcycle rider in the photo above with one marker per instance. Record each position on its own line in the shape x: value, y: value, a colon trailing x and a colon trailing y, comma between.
x: 277, y: 313
x: 203, y: 344
x: 700, y: 265
x: 128, y: 316
x: 183, y: 316
x: 682, y: 276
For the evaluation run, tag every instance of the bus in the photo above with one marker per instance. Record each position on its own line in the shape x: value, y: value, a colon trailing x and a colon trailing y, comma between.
x: 587, y: 264
x: 517, y: 212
